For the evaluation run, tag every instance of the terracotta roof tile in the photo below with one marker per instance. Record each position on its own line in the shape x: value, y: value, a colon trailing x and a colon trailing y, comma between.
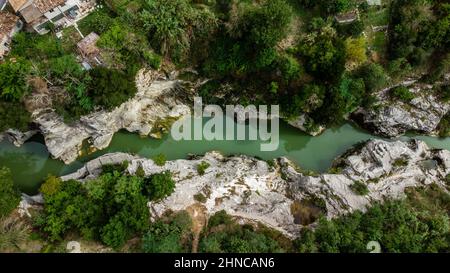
x: 47, y: 5
x: 17, y: 4
x: 7, y: 23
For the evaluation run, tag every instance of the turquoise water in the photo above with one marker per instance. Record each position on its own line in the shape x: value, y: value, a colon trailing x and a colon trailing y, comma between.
x: 31, y: 163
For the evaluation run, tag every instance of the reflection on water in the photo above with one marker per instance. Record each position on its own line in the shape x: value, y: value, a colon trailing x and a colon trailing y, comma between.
x: 31, y: 163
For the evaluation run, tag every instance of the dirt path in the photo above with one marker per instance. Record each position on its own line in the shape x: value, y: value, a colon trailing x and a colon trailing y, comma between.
x: 199, y: 217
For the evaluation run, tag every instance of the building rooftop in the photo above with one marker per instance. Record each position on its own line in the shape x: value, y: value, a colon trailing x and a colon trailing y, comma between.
x: 17, y: 4
x: 30, y: 13
x: 87, y: 46
x: 347, y: 17
x: 47, y: 5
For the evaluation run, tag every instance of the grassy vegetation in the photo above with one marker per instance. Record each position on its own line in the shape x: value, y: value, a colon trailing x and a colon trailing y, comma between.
x: 202, y: 167
x: 160, y: 159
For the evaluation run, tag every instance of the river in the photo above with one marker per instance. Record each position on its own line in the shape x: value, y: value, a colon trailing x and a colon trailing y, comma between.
x: 32, y: 163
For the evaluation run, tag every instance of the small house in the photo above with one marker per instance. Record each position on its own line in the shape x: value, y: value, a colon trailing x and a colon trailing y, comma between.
x: 37, y: 14
x: 88, y: 49
x: 347, y: 17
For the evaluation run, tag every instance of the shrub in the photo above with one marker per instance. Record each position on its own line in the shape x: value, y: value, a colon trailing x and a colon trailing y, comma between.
x: 111, y: 168
x: 373, y: 75
x: 234, y: 238
x: 110, y: 208
x: 399, y: 226
x: 444, y: 126
x: 160, y: 159
x: 356, y: 50
x: 13, y: 80
x: 399, y: 68
x: 13, y: 115
x: 140, y: 172
x: 202, y: 167
x: 110, y: 88
x: 402, y: 93
x: 98, y: 21
x: 444, y: 92
x: 51, y: 186
x: 168, y: 236
x: 159, y: 186
x: 219, y: 218
x: 400, y: 162
x: 359, y: 188
x: 9, y: 195
x: 353, y: 29
x: 200, y: 198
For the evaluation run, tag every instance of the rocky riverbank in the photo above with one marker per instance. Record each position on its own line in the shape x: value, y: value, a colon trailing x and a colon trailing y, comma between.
x: 391, y: 118
x: 159, y: 101
x: 278, y: 194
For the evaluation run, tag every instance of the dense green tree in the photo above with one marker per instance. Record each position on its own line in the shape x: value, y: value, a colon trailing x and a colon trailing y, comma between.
x: 110, y: 88
x: 13, y: 115
x: 373, y: 75
x: 340, y: 101
x: 168, y: 23
x: 13, y: 79
x: 249, y: 41
x: 324, y: 54
x: 159, y: 186
x: 415, y: 27
x: 399, y: 226
x: 168, y: 236
x: 110, y: 208
x: 225, y: 236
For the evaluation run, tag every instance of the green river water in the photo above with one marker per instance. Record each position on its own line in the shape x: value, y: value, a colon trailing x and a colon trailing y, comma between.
x: 31, y: 163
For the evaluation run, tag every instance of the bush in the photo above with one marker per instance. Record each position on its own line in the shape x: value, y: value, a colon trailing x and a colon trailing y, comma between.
x: 400, y: 162
x: 199, y: 197
x: 219, y: 218
x: 110, y: 208
x: 373, y: 75
x: 444, y: 92
x: 111, y: 168
x: 98, y: 21
x: 202, y: 167
x: 399, y: 68
x: 402, y: 93
x: 399, y: 226
x: 160, y: 160
x: 168, y: 236
x: 444, y: 126
x: 51, y: 186
x: 13, y: 115
x: 9, y: 195
x: 234, y: 238
x: 359, y: 188
x: 13, y: 80
x: 159, y: 186
x: 249, y: 42
x: 110, y: 88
